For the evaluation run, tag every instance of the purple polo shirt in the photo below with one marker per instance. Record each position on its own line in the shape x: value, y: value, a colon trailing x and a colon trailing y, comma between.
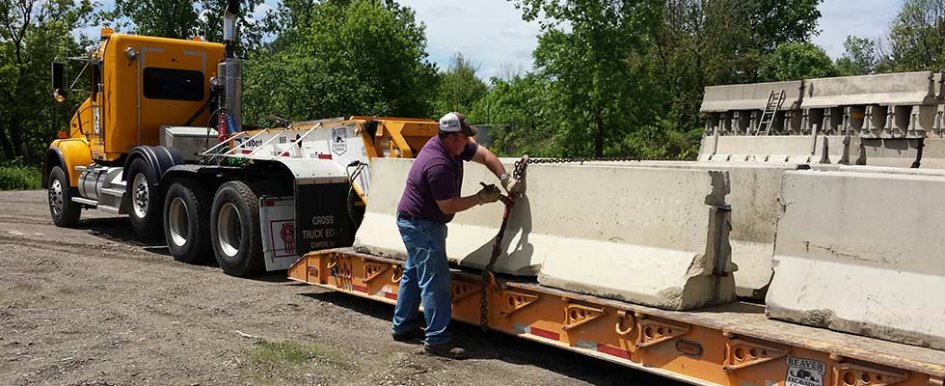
x: 436, y: 175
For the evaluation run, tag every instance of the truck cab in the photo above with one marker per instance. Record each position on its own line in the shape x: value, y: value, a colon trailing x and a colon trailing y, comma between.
x: 137, y: 86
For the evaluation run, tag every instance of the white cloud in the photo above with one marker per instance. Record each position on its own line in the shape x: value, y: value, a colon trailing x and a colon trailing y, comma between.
x: 488, y: 32
x: 861, y: 18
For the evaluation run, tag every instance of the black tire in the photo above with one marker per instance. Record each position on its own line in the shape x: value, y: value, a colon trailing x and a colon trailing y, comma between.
x: 187, y: 221
x: 144, y: 202
x: 234, y: 230
x: 64, y: 212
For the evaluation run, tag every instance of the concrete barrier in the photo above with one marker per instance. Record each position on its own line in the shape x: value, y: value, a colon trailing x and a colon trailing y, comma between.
x: 651, y: 236
x: 750, y: 96
x: 861, y: 252
x: 755, y: 190
x: 904, y: 88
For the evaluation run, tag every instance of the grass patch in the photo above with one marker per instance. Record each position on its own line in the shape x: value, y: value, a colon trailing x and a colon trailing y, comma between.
x: 292, y: 353
x: 19, y: 178
x: 289, y: 362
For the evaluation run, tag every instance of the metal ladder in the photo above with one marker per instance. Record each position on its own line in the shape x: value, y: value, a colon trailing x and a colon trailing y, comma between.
x: 775, y: 100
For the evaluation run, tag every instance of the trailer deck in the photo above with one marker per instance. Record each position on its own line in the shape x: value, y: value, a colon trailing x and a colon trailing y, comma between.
x: 733, y: 344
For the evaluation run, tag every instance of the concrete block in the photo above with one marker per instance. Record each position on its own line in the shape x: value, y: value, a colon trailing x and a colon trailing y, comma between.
x: 646, y: 235
x: 905, y: 88
x: 861, y: 252
x: 378, y: 233
x: 755, y: 190
x: 750, y: 96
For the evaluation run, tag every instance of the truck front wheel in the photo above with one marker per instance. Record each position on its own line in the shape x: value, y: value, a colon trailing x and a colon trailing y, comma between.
x: 65, y: 213
x: 186, y: 221
x: 234, y: 230
x: 145, y: 209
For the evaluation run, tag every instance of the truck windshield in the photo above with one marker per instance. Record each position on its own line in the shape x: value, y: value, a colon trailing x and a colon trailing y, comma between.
x: 165, y: 83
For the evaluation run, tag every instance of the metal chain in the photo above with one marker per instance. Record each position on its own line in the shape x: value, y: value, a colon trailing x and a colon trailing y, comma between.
x: 581, y: 160
x: 488, y: 278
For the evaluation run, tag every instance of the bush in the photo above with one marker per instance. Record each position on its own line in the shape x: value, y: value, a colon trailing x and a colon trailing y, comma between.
x: 19, y: 178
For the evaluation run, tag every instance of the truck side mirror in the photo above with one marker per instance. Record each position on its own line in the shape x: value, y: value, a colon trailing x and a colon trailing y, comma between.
x: 58, y: 73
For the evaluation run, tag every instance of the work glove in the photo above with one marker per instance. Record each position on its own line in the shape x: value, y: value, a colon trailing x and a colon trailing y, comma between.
x: 488, y: 194
x: 512, y: 185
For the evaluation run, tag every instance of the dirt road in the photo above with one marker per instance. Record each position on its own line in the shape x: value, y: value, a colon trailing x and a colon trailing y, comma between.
x: 92, y: 306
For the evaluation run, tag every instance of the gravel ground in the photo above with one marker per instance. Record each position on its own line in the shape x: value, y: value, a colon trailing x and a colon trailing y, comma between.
x: 93, y: 306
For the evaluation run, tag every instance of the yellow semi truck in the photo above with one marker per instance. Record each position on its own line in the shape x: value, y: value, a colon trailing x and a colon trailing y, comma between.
x: 160, y: 138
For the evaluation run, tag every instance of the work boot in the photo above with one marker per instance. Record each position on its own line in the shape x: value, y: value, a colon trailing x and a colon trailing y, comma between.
x: 414, y: 336
x: 446, y: 350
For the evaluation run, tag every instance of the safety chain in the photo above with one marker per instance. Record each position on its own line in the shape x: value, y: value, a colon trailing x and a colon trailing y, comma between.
x: 488, y: 277
x: 580, y: 160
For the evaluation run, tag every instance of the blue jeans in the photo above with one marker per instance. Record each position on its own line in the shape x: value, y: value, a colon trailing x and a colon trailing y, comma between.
x: 426, y: 278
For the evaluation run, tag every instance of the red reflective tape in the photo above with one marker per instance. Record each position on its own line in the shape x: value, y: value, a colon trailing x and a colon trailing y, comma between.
x: 269, y: 202
x: 324, y: 156
x: 390, y: 295
x: 246, y: 151
x: 617, y: 352
x: 545, y: 333
x: 359, y: 288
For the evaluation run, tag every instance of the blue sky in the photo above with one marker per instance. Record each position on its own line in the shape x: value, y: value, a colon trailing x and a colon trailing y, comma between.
x: 493, y: 35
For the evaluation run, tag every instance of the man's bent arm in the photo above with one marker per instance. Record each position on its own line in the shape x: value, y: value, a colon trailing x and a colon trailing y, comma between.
x: 490, y: 160
x: 459, y: 204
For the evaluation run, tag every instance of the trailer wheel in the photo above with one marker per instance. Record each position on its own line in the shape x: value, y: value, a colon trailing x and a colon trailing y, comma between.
x: 64, y: 212
x: 187, y: 221
x: 145, y: 208
x: 234, y: 229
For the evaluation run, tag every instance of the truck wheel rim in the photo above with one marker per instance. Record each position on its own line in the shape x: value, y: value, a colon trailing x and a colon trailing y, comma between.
x: 229, y: 230
x: 55, y: 197
x: 178, y: 221
x: 140, y: 198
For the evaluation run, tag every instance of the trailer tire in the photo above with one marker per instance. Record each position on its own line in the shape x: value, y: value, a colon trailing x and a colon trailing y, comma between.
x: 64, y: 212
x: 144, y: 201
x: 187, y: 221
x: 235, y: 231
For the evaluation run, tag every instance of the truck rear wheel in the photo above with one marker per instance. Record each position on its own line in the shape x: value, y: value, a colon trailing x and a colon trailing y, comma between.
x: 64, y: 212
x: 234, y: 230
x: 145, y: 209
x: 187, y: 221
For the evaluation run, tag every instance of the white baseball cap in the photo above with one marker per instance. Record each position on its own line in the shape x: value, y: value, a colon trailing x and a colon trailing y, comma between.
x: 456, y: 123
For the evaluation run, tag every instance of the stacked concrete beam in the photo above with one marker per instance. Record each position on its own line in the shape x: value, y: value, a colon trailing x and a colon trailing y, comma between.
x: 653, y: 236
x: 878, y: 106
x: 888, y: 112
x: 860, y: 250
x: 737, y: 109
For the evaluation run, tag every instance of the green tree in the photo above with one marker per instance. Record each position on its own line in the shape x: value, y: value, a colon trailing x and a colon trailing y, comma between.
x: 702, y: 43
x: 793, y: 61
x: 518, y: 111
x: 165, y: 18
x: 341, y: 58
x: 859, y: 57
x: 32, y: 34
x: 459, y: 88
x: 917, y: 37
x: 180, y: 19
x: 599, y: 73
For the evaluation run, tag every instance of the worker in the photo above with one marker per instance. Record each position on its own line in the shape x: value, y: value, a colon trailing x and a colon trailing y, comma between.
x: 430, y: 199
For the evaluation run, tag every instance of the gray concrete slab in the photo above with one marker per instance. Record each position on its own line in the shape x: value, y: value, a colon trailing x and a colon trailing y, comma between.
x: 755, y: 209
x: 644, y: 235
x: 749, y: 96
x: 860, y: 252
x: 904, y: 88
